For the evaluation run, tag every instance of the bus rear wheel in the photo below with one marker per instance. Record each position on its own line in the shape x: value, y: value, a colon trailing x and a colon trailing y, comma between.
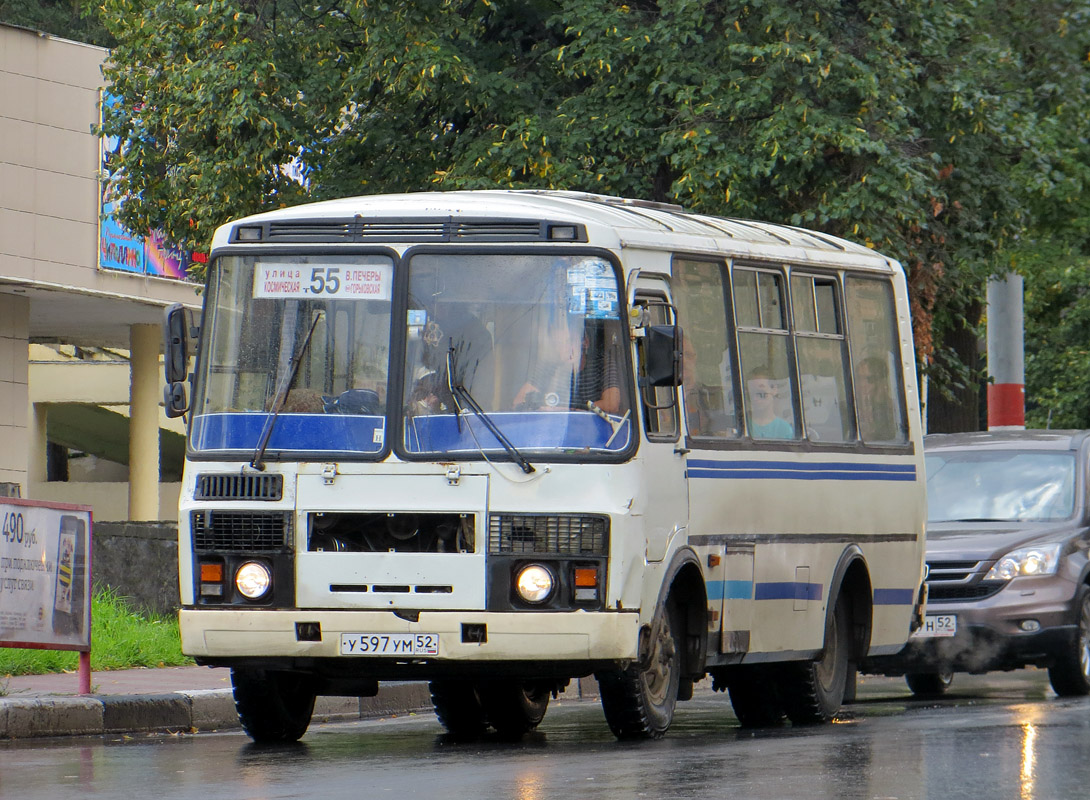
x: 754, y: 698
x: 458, y: 707
x: 272, y: 706
x: 514, y: 708
x: 639, y: 702
x: 929, y: 684
x: 811, y: 692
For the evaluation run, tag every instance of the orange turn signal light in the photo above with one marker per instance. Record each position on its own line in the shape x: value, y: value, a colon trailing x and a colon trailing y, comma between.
x: 586, y: 576
x: 211, y: 573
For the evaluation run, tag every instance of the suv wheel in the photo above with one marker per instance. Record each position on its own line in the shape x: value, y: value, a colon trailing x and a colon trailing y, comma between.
x: 1070, y: 675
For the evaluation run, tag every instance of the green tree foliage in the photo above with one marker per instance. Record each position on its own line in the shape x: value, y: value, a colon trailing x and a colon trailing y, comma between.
x: 64, y: 18
x: 935, y: 131
x: 1057, y: 312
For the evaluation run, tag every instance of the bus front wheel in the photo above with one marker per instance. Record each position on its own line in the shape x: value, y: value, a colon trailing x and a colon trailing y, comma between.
x: 458, y: 707
x: 639, y: 702
x: 272, y: 706
x: 514, y: 708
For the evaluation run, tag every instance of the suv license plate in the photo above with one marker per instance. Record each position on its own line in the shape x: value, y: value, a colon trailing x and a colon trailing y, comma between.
x: 937, y: 625
x: 389, y: 644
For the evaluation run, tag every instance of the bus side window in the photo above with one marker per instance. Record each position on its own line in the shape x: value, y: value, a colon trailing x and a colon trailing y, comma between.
x: 660, y: 422
x: 771, y: 402
x: 876, y: 361
x: 700, y: 292
x: 822, y: 352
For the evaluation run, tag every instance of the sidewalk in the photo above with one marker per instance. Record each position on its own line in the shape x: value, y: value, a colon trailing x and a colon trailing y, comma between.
x: 166, y: 699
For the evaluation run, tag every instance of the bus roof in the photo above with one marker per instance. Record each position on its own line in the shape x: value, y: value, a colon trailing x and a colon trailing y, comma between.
x: 507, y: 215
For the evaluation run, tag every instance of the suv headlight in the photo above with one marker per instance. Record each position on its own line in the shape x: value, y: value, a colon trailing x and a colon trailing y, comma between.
x: 1028, y: 561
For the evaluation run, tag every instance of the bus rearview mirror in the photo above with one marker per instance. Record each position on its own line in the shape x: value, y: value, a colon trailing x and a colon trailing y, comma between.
x: 175, y: 402
x: 175, y: 344
x: 664, y: 351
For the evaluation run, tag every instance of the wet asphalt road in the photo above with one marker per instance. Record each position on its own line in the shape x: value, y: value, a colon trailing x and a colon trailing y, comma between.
x: 995, y: 737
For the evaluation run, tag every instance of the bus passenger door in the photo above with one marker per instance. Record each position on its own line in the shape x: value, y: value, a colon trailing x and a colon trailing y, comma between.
x: 737, y: 612
x: 665, y: 505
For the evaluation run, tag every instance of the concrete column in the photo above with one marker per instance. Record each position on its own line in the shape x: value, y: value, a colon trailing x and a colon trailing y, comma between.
x: 37, y: 458
x: 14, y: 393
x: 145, y: 390
x: 1006, y: 364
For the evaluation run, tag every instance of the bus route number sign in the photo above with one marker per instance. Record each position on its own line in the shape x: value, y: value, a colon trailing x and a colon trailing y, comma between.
x: 311, y: 281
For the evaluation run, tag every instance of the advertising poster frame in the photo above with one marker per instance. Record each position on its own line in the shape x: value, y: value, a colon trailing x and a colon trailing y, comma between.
x: 45, y: 575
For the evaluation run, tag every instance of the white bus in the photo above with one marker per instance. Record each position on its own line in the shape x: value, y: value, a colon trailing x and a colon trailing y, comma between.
x: 500, y: 440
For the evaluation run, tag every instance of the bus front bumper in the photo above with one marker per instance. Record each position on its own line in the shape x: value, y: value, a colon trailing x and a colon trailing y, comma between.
x: 228, y: 634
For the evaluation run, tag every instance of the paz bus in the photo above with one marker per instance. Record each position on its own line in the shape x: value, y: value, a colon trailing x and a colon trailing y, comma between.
x: 500, y: 440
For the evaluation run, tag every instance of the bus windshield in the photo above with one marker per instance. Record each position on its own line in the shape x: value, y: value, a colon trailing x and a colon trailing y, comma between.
x: 530, y: 348
x: 329, y: 313
x: 503, y: 354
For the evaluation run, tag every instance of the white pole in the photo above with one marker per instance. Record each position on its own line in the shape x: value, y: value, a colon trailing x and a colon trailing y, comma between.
x: 1006, y: 364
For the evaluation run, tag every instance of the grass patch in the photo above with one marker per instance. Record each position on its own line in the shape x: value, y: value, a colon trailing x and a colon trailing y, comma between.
x: 121, y: 638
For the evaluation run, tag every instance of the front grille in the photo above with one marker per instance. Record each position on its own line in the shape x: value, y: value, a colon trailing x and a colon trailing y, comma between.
x: 953, y: 581
x: 239, y: 487
x: 939, y: 592
x: 441, y: 229
x: 548, y: 534
x: 240, y: 531
x: 940, y: 571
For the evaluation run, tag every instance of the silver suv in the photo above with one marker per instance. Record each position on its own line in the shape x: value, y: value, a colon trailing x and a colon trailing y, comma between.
x: 1008, y: 576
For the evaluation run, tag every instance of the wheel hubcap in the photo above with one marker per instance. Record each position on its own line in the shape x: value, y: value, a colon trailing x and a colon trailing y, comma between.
x: 826, y: 668
x: 658, y: 673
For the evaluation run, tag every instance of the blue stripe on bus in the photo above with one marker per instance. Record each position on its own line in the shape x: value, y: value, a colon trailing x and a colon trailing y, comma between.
x: 800, y: 470
x: 787, y: 590
x: 730, y: 590
x: 894, y: 597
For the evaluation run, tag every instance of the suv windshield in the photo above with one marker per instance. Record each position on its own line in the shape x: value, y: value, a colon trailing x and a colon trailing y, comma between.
x: 535, y: 341
x: 1000, y: 485
x: 257, y: 318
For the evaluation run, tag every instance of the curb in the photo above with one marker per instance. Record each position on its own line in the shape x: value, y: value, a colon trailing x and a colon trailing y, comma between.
x: 189, y: 711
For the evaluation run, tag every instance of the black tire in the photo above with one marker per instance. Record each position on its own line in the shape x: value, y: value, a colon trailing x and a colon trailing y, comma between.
x: 755, y: 698
x: 514, y: 708
x: 639, y: 703
x: 458, y: 707
x: 929, y: 684
x: 812, y: 692
x: 272, y: 706
x: 1070, y: 675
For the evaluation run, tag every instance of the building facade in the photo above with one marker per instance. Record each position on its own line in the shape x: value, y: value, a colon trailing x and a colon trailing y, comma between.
x: 98, y: 324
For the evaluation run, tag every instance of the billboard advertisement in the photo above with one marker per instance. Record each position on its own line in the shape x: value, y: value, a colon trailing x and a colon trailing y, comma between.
x: 45, y: 575
x: 118, y: 248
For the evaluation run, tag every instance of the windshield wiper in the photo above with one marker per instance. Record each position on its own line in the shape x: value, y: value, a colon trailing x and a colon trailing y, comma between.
x: 457, y: 390
x: 282, y: 396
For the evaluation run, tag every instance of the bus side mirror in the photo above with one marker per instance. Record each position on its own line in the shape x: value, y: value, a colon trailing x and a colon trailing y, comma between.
x: 175, y: 360
x: 664, y: 355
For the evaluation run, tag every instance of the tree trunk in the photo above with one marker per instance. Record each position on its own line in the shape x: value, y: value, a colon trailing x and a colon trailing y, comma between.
x: 962, y: 411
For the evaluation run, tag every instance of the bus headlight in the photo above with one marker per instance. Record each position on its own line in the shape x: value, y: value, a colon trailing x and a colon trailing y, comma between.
x: 535, y: 583
x: 253, y: 580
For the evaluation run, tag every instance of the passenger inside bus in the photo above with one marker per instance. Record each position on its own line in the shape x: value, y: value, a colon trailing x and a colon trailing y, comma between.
x: 763, y: 391
x: 430, y: 395
x: 570, y: 377
x: 709, y: 410
x: 877, y: 418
